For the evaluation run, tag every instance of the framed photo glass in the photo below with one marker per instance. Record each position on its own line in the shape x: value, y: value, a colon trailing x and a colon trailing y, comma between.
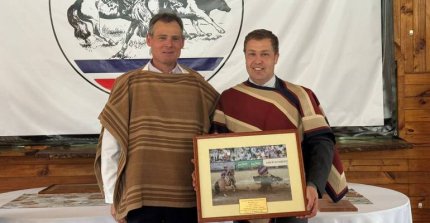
x: 249, y: 175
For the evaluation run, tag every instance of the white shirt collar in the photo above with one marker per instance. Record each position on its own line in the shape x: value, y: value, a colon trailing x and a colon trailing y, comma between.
x: 176, y: 70
x: 270, y: 83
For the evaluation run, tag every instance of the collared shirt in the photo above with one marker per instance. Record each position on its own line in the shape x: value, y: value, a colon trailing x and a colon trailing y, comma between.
x: 176, y: 70
x: 270, y: 83
x: 110, y: 148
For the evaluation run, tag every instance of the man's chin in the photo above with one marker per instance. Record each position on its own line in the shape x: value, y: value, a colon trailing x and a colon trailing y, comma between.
x: 169, y: 61
x: 259, y: 81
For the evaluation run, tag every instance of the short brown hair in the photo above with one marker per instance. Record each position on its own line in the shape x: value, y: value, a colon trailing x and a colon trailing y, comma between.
x: 260, y: 34
x: 164, y: 17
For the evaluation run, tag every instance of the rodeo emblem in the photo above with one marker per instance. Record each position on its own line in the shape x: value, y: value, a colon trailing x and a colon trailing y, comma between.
x: 104, y: 38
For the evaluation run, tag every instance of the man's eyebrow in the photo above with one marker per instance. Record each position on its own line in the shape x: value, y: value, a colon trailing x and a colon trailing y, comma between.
x: 164, y: 35
x: 253, y: 51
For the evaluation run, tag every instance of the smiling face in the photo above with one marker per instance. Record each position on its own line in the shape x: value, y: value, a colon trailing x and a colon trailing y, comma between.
x: 166, y: 43
x: 260, y: 60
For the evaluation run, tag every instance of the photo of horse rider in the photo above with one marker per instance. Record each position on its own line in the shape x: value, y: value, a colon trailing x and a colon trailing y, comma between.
x: 266, y: 179
x: 226, y: 180
x: 233, y: 173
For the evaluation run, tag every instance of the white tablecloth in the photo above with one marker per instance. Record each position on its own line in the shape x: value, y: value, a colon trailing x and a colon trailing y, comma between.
x: 388, y: 206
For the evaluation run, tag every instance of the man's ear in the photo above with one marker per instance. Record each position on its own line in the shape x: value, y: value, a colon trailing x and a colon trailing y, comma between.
x: 276, y: 58
x: 148, y: 40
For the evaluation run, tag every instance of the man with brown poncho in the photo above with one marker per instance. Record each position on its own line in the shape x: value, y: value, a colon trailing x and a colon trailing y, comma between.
x: 145, y: 148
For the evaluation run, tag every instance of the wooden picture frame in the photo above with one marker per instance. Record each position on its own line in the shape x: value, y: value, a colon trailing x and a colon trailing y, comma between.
x: 251, y: 175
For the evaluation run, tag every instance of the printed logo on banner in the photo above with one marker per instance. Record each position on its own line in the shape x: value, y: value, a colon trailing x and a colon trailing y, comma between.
x: 102, y: 39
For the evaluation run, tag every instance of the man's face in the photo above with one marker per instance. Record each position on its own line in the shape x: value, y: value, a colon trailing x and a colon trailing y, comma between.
x: 166, y: 43
x: 260, y: 60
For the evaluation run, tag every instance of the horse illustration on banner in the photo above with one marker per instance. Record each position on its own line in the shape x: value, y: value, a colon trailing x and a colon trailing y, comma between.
x: 139, y: 12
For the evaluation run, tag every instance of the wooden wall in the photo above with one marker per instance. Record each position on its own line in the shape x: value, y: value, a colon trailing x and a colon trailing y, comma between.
x: 411, y: 35
x: 404, y: 170
x: 30, y: 167
x: 24, y: 172
x: 412, y: 32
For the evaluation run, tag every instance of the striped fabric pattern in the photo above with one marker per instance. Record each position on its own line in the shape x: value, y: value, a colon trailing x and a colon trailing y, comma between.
x: 337, y: 185
x: 154, y: 118
x: 247, y: 107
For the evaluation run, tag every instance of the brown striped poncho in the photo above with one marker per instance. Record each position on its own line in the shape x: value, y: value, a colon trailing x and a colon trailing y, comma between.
x: 248, y: 107
x: 154, y: 117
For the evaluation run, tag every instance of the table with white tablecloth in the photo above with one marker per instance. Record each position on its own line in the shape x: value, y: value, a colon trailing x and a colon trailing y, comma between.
x: 388, y: 206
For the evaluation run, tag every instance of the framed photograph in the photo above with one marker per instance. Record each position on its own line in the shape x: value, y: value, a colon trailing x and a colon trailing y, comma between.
x: 249, y: 175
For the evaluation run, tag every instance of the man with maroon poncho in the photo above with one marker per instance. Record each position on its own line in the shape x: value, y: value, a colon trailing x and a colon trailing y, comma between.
x: 265, y: 102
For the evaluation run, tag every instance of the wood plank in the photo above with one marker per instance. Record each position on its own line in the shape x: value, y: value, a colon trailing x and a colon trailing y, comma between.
x: 421, y: 215
x: 361, y: 144
x: 327, y: 205
x: 396, y: 24
x: 60, y: 152
x: 407, y: 41
x: 423, y: 78
x: 417, y: 90
x: 377, y: 177
x: 417, y: 115
x: 424, y: 200
x: 427, y: 34
x: 417, y: 139
x: 402, y: 188
x: 416, y: 103
x: 19, y: 170
x: 419, y: 177
x: 419, y: 53
x: 419, y: 165
x: 376, y: 165
x: 18, y: 183
x: 417, y: 128
x: 419, y: 189
x: 33, y: 160
x: 11, y: 152
x: 419, y: 152
x: 370, y: 155
x: 401, y: 101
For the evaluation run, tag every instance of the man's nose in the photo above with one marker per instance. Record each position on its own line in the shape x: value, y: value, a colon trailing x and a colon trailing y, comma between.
x: 258, y: 60
x: 169, y: 42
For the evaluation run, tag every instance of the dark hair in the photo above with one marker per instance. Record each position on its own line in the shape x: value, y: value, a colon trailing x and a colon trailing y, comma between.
x: 260, y: 34
x: 164, y: 17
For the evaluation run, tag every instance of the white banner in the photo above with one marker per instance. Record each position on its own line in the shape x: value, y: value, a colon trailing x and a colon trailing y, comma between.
x: 59, y: 58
